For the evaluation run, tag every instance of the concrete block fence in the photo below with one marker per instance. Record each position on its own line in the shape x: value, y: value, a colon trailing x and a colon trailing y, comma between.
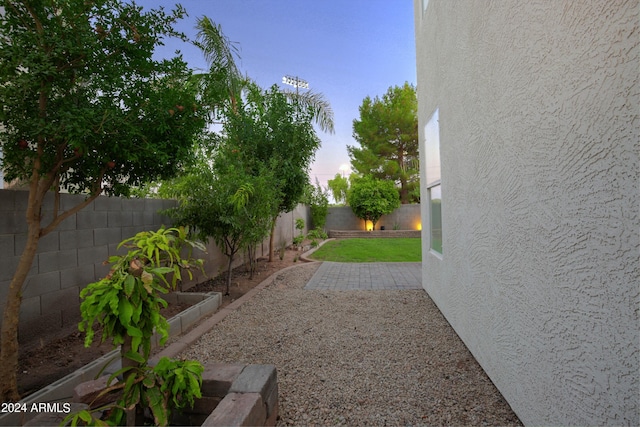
x: 73, y: 255
x: 406, y: 217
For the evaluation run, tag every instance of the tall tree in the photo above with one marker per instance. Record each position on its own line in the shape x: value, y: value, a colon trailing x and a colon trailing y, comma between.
x: 339, y: 186
x: 283, y: 138
x: 387, y: 132
x: 228, y: 202
x: 85, y: 108
x: 371, y: 198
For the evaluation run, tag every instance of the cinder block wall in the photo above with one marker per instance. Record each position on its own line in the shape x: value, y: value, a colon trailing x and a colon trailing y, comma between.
x: 68, y: 258
x: 73, y: 255
x: 406, y: 217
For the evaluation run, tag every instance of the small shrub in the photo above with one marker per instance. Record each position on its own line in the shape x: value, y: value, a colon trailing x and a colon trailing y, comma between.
x: 297, y: 240
x: 125, y: 306
x: 317, y: 233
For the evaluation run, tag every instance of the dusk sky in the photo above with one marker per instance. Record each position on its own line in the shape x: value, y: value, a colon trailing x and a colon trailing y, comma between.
x: 345, y: 49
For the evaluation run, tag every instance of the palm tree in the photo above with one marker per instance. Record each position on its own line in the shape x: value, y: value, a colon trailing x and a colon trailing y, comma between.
x: 223, y: 86
x: 223, y: 82
x: 317, y: 104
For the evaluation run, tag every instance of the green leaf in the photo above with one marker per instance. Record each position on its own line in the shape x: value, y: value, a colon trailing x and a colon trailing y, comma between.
x: 149, y: 381
x: 125, y: 311
x: 135, y: 356
x: 85, y: 416
x: 158, y: 406
x: 129, y: 285
x: 134, y: 332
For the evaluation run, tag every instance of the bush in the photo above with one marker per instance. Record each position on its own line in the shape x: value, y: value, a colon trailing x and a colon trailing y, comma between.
x: 315, y: 235
x: 318, y: 201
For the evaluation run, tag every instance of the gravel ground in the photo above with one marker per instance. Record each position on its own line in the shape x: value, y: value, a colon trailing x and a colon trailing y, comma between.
x: 357, y: 357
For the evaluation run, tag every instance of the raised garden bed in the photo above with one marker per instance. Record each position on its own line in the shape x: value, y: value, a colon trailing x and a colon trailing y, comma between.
x: 232, y: 395
x: 347, y: 234
x: 61, y: 391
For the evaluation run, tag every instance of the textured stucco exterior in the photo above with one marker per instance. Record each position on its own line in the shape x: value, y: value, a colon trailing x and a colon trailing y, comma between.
x: 539, y: 128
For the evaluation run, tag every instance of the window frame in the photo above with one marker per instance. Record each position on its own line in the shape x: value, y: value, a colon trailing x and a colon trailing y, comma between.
x: 433, y: 180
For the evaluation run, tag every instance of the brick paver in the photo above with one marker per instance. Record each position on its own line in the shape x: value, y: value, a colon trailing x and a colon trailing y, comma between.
x: 367, y: 276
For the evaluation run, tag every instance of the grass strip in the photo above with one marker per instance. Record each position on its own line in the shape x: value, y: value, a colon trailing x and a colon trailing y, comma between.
x: 403, y: 249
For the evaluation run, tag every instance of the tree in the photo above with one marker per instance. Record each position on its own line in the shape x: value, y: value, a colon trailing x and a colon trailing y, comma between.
x: 371, y: 198
x: 317, y: 199
x: 227, y: 202
x: 85, y: 108
x: 279, y: 134
x: 388, y: 136
x: 339, y: 186
x: 274, y: 126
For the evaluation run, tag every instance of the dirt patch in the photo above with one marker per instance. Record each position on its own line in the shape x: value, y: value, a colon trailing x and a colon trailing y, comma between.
x: 41, y: 365
x: 241, y: 280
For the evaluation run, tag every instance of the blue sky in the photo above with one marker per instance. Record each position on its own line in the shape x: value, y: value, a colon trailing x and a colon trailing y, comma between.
x: 346, y: 49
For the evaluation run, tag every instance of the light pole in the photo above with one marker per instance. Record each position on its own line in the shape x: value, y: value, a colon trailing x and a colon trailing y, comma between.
x: 295, y: 82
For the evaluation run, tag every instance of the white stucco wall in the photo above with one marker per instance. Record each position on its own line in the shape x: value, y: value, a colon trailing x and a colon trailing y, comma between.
x: 539, y: 128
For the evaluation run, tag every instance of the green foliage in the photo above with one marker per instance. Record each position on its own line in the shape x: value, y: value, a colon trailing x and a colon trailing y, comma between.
x: 371, y: 250
x: 370, y: 198
x: 339, y: 187
x: 281, y: 136
x: 387, y: 132
x: 317, y: 199
x: 126, y: 304
x: 85, y: 108
x: 89, y: 109
x: 315, y: 235
x: 297, y: 240
x: 171, y: 384
x: 230, y: 201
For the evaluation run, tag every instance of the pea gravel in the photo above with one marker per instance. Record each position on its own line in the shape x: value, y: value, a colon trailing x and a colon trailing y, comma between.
x: 356, y: 357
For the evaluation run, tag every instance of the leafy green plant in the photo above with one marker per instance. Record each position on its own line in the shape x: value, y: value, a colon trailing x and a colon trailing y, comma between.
x: 371, y: 198
x: 315, y: 235
x: 126, y: 304
x: 282, y: 248
x: 318, y: 200
x: 297, y: 240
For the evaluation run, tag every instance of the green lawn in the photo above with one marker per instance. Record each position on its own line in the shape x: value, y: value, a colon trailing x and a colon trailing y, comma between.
x: 370, y: 250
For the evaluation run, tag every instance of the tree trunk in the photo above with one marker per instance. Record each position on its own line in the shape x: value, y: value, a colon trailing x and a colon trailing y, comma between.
x: 252, y: 260
x: 229, y: 273
x: 404, y: 193
x: 131, y: 419
x: 272, y: 239
x: 9, y: 348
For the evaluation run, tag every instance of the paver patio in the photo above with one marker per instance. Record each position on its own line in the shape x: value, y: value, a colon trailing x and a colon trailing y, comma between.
x: 367, y: 276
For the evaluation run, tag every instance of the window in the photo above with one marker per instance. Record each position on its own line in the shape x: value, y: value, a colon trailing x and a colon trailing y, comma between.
x: 425, y: 3
x: 434, y: 188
